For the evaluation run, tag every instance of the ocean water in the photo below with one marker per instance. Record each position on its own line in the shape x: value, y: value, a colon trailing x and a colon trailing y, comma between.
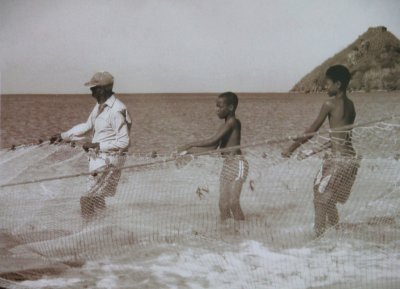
x: 274, y: 249
x: 162, y: 122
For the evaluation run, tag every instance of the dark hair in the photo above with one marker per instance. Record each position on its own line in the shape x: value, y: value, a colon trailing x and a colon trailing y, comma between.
x: 339, y: 73
x: 230, y: 98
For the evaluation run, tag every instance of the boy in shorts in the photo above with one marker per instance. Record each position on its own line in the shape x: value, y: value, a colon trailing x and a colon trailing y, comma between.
x: 338, y: 172
x: 235, y: 167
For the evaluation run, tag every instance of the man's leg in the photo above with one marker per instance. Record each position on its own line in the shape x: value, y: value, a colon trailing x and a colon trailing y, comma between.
x: 87, y: 207
x: 99, y: 202
x: 89, y: 202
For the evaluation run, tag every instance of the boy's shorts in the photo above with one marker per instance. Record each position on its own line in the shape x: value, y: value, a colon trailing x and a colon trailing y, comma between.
x: 235, y: 168
x: 335, y: 179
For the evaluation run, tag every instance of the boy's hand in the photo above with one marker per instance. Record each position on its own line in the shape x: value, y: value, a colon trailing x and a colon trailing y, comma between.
x: 286, y: 153
x: 183, y: 160
x: 183, y: 148
x: 55, y: 138
x: 89, y: 145
x: 305, y: 154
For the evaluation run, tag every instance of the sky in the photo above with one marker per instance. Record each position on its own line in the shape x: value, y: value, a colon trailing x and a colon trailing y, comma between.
x: 157, y: 46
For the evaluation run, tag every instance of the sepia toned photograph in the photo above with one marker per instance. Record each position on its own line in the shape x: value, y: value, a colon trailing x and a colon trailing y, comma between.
x: 200, y: 144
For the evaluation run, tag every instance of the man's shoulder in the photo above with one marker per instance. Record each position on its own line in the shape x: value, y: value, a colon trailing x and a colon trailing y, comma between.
x: 119, y: 105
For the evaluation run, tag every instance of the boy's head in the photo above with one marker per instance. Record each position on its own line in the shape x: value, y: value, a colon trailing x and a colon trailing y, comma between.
x: 230, y: 98
x: 338, y: 78
x: 227, y: 103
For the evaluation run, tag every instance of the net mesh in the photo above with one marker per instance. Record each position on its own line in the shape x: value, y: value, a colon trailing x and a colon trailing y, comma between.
x: 325, y: 220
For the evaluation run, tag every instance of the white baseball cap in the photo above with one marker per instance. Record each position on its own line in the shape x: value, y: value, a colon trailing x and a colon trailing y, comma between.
x: 102, y: 78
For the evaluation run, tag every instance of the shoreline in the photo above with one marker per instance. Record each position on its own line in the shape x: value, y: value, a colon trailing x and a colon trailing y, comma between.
x: 193, y: 94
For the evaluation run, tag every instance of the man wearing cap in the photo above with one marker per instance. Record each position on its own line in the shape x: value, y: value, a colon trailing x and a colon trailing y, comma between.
x: 110, y: 124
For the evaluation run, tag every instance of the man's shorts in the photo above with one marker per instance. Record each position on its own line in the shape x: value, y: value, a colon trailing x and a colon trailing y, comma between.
x: 105, y: 174
x: 235, y: 168
x: 335, y: 179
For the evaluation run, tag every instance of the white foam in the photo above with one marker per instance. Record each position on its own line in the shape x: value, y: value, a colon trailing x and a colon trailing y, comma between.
x: 51, y: 283
x: 249, y: 265
x: 256, y: 264
x: 109, y: 282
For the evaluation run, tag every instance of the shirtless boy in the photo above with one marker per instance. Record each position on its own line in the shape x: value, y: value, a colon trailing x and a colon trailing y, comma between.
x: 338, y: 172
x: 235, y: 167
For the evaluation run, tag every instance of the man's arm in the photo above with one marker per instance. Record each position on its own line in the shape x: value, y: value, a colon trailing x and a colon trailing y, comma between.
x: 213, y: 141
x: 324, y: 112
x: 78, y: 131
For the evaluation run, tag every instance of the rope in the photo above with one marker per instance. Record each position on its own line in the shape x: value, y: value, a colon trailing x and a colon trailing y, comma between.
x: 173, y: 157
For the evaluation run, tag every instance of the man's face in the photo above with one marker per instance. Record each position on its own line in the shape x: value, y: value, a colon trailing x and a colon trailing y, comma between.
x: 222, y: 108
x: 97, y: 91
x: 332, y: 88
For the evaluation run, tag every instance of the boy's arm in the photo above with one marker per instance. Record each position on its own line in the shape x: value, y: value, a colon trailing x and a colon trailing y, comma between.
x: 213, y: 141
x: 324, y: 112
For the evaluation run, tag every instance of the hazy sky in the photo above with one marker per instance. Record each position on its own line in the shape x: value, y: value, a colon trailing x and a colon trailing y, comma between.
x: 50, y: 46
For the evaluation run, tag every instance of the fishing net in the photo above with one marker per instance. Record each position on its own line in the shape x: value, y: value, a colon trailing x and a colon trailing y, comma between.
x: 55, y: 214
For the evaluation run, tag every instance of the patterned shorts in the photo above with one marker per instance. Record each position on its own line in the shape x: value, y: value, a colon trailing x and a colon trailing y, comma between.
x: 235, y: 168
x: 336, y: 178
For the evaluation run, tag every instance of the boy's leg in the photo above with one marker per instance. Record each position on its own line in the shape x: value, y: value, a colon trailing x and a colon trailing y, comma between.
x: 224, y: 201
x: 333, y: 214
x: 322, y: 194
x: 345, y: 178
x: 319, y: 218
x: 236, y: 189
x: 319, y: 212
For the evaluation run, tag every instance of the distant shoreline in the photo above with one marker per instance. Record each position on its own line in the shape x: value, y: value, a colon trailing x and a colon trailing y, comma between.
x: 151, y: 94
x: 158, y: 94
x: 352, y: 91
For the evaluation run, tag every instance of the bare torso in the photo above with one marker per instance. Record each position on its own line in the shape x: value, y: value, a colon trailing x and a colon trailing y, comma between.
x: 342, y: 114
x: 232, y: 138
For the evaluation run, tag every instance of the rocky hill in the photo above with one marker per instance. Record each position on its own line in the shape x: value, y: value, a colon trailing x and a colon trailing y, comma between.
x: 373, y: 59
